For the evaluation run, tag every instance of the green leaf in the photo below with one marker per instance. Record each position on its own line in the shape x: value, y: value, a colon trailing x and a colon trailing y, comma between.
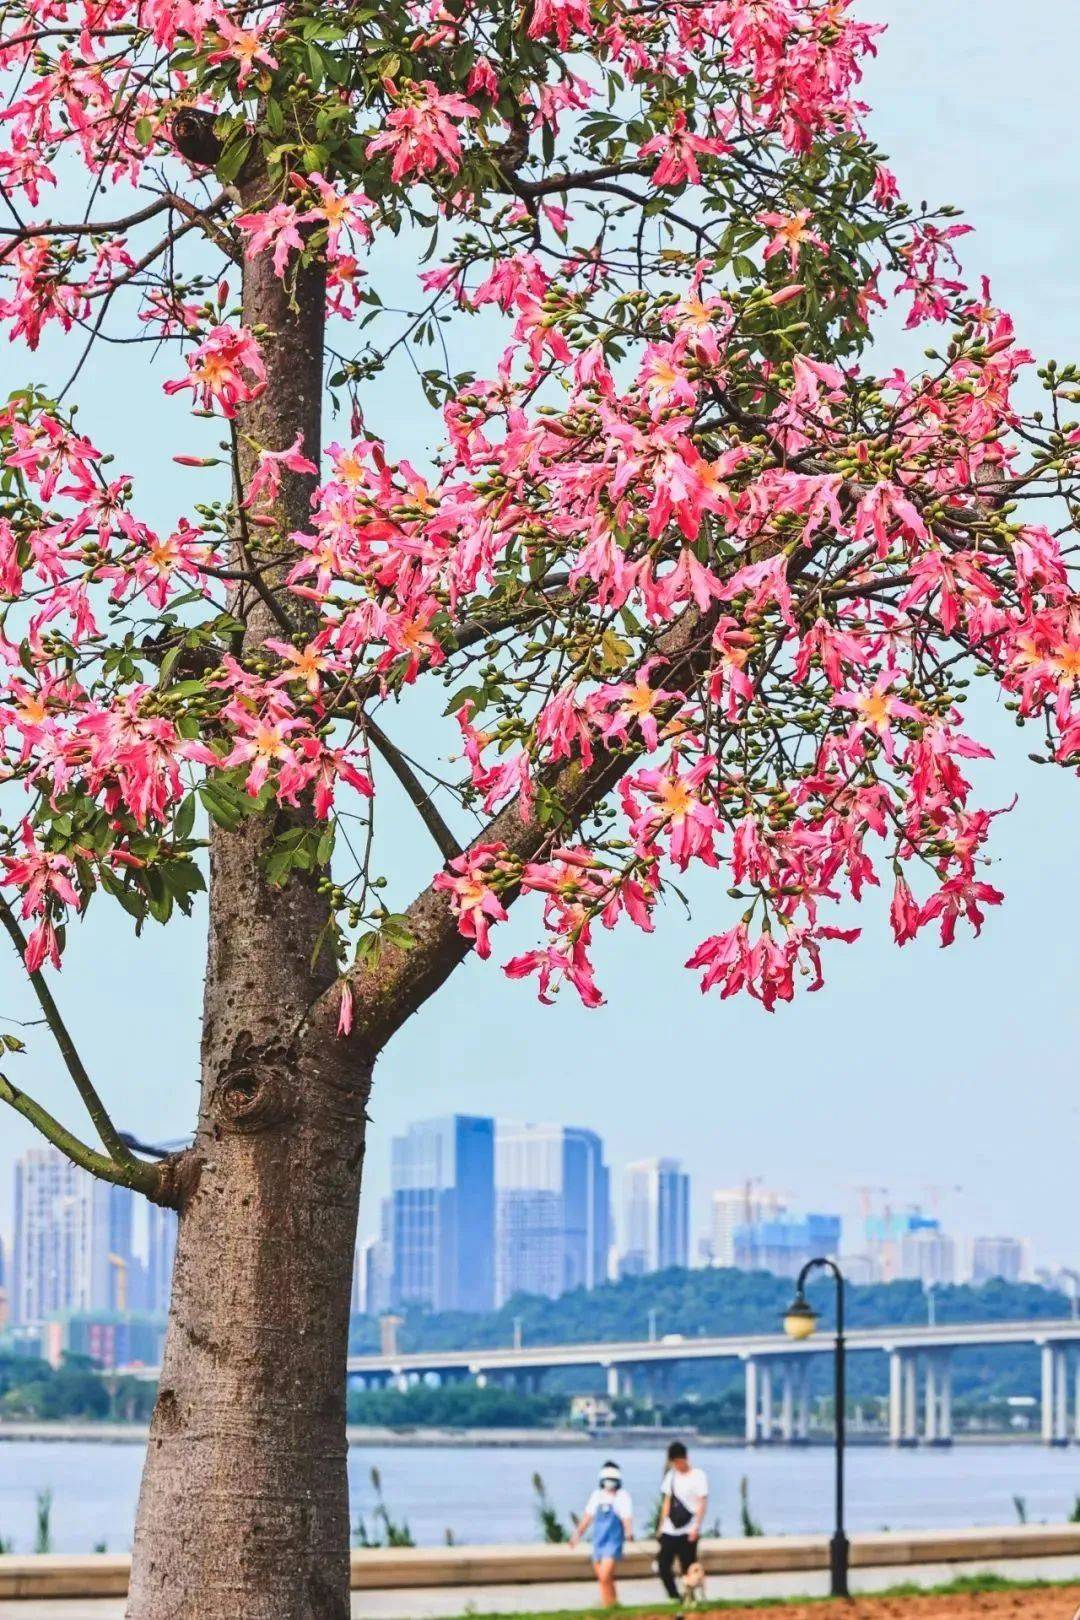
x: 233, y: 158
x: 395, y: 930
x: 185, y: 819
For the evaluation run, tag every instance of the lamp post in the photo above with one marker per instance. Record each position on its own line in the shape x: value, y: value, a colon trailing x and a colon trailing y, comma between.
x: 799, y: 1323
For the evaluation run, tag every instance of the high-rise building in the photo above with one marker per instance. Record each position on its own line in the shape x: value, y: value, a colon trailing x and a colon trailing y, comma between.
x: 784, y: 1244
x: 553, y: 1215
x: 997, y: 1257
x: 733, y: 1207
x: 656, y: 1216
x: 927, y: 1255
x: 73, y: 1239
x: 162, y: 1227
x: 443, y: 1214
x: 373, y: 1276
x: 114, y: 1269
x: 48, y: 1260
x: 885, y: 1236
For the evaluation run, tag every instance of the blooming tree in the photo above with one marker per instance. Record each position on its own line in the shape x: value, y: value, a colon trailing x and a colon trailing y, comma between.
x: 695, y: 588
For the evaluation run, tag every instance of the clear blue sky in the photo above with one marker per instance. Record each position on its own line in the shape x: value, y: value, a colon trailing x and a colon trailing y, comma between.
x: 911, y: 1070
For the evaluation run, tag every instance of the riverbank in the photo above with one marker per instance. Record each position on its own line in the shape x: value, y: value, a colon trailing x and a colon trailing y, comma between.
x: 370, y: 1435
x: 358, y: 1435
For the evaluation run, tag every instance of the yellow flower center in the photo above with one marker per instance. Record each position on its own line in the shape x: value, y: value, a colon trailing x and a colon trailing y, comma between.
x: 641, y: 700
x: 675, y: 799
x: 1067, y: 659
x: 877, y: 707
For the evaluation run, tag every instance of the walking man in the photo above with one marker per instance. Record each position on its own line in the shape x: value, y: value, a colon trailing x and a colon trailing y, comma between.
x: 682, y: 1514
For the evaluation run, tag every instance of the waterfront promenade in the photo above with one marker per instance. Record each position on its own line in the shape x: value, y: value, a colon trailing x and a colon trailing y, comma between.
x: 433, y: 1583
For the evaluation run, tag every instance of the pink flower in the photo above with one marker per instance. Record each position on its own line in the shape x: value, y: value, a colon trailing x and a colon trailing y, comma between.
x: 40, y: 875
x: 680, y: 149
x: 243, y: 45
x: 338, y: 211
x: 265, y: 482
x: 226, y: 370
x: 263, y: 741
x: 272, y: 228
x: 904, y: 913
x: 562, y: 18
x: 673, y: 808
x: 877, y: 709
x: 791, y: 233
x: 473, y: 900
x: 554, y: 964
x: 422, y: 133
x: 345, y: 1011
x: 960, y: 897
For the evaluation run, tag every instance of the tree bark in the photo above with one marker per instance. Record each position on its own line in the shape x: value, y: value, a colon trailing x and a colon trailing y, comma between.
x: 243, y: 1512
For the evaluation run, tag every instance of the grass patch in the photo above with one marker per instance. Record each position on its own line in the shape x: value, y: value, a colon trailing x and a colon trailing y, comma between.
x: 963, y: 1585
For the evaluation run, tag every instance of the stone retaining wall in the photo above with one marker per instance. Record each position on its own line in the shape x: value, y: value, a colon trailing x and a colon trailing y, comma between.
x: 63, y: 1575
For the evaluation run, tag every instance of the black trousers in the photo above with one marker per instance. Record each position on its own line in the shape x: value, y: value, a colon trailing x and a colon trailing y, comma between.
x: 675, y: 1550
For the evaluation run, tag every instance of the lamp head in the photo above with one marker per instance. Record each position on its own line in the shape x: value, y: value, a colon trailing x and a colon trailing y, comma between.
x: 801, y: 1318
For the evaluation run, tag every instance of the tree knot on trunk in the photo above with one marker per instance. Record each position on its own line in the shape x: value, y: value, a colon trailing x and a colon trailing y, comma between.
x: 255, y: 1089
x: 178, y: 1179
x: 193, y: 133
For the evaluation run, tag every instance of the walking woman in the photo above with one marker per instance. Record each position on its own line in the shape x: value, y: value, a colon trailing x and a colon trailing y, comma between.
x: 609, y: 1512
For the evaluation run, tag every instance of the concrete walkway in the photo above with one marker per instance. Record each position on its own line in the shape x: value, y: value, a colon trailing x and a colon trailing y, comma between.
x: 439, y: 1603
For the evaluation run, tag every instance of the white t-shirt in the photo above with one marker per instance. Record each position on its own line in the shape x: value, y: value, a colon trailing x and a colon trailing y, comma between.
x: 691, y: 1488
x: 619, y: 1500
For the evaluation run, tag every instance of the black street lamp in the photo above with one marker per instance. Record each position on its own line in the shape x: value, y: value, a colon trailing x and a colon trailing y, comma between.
x: 800, y: 1321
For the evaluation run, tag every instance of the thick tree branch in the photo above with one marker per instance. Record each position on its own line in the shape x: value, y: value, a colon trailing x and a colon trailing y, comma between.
x: 390, y: 988
x: 555, y: 183
x: 418, y: 794
x: 110, y: 1138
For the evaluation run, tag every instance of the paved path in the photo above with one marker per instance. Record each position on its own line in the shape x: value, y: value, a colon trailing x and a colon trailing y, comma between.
x: 437, y: 1603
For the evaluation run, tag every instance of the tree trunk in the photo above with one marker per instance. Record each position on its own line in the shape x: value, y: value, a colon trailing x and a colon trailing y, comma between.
x: 243, y: 1512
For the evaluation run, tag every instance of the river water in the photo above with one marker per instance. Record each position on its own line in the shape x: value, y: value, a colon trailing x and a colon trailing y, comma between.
x: 484, y: 1493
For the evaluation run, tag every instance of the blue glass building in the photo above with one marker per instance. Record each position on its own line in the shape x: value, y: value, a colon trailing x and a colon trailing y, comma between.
x: 784, y: 1244
x: 552, y: 1210
x: 443, y: 1214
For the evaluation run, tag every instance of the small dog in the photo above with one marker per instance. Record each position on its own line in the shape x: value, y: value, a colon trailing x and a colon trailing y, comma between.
x: 694, y: 1583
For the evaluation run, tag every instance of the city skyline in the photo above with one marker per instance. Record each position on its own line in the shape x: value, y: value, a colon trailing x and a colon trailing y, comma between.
x: 482, y: 1211
x: 521, y: 1214
x: 557, y: 1217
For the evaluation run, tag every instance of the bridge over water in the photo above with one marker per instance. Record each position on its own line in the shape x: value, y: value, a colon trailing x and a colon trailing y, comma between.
x: 776, y: 1372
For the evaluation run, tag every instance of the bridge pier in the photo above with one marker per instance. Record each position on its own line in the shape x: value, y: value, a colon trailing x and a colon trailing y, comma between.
x: 938, y: 1428
x: 1055, y: 1395
x: 766, y: 1378
x: 904, y: 1398
x: 777, y: 1399
x: 787, y: 1402
x: 752, y: 1396
x: 620, y: 1382
x: 795, y: 1400
x: 802, y: 1416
